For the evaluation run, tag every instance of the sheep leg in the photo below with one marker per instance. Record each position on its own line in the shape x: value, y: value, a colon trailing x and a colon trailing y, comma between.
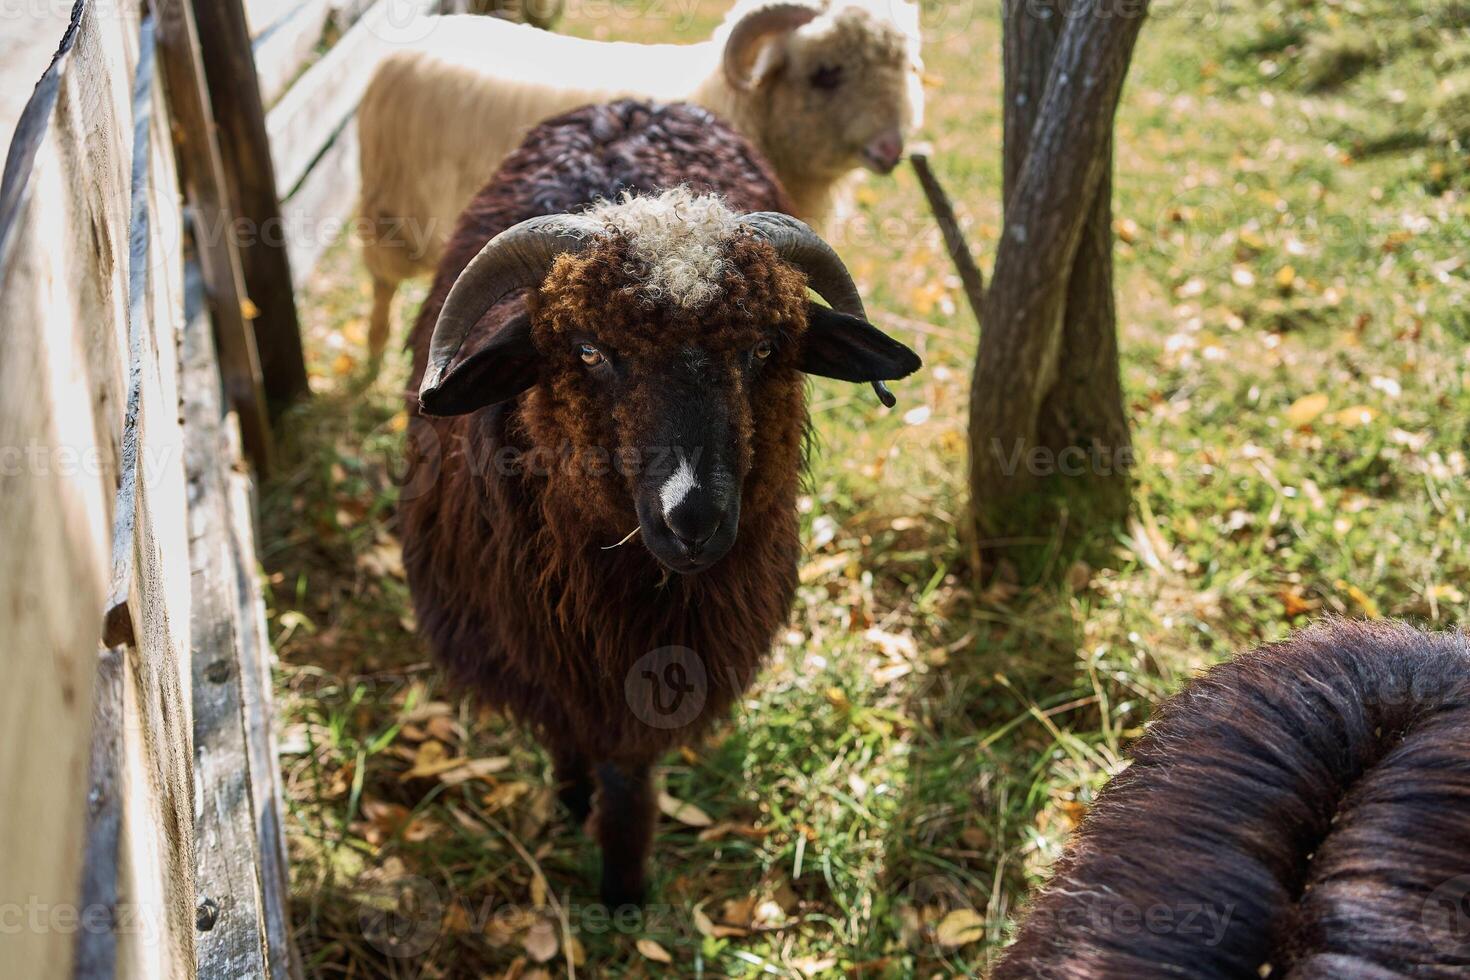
x: 383, y: 290
x: 573, y: 783
x: 624, y: 823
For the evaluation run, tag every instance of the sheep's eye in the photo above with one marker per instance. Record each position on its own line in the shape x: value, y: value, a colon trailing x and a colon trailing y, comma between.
x: 763, y: 350
x: 590, y: 355
x: 827, y: 77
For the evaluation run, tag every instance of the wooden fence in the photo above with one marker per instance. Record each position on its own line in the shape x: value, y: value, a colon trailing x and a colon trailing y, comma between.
x: 146, y: 343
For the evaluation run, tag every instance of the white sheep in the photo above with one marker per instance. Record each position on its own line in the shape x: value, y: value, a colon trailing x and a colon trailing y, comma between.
x: 821, y: 88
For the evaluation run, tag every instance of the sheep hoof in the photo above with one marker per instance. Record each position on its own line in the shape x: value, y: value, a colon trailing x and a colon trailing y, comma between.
x: 577, y: 798
x: 623, y: 900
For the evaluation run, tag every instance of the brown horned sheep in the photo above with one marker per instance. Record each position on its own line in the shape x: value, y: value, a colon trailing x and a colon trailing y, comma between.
x: 610, y: 431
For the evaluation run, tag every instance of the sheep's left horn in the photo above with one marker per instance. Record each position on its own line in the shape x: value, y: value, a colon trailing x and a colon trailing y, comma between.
x: 796, y: 242
x: 519, y: 256
x: 778, y: 18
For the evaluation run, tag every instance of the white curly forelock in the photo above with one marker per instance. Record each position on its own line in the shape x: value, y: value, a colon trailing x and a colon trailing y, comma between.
x: 678, y: 242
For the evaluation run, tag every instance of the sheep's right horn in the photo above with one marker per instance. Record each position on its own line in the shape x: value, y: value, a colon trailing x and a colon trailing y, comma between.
x: 778, y: 18
x: 519, y: 256
x: 796, y: 242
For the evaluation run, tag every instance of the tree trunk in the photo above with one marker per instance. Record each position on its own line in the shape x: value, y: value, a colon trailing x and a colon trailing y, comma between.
x: 1049, y: 444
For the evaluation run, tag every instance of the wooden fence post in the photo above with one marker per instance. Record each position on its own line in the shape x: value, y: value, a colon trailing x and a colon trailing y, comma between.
x: 205, y: 189
x: 224, y: 43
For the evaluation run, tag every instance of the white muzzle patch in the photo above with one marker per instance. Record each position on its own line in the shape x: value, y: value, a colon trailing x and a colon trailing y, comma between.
x: 677, y: 487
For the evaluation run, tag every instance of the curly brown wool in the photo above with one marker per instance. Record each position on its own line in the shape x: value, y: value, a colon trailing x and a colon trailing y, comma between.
x: 1301, y: 812
x: 512, y: 583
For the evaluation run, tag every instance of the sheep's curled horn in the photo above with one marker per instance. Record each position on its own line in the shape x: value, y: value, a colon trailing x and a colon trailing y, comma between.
x: 755, y: 27
x: 521, y: 256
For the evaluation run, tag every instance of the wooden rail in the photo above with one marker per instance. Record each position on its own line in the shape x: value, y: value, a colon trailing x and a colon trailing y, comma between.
x: 121, y: 483
x: 312, y: 132
x: 146, y: 288
x: 224, y: 46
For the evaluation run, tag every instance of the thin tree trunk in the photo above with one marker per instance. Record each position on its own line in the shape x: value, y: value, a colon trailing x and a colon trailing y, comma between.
x: 1049, y: 438
x: 1083, y: 422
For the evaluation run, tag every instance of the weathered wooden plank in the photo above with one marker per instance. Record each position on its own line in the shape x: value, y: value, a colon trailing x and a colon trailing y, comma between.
x: 232, y: 920
x: 151, y: 575
x: 96, y: 940
x: 262, y: 15
x: 314, y: 108
x: 321, y: 209
x: 64, y: 205
x: 256, y: 659
x: 202, y: 171
x: 234, y: 91
x: 284, y: 49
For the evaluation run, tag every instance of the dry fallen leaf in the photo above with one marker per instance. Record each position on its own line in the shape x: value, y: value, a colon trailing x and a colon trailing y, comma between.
x: 424, y: 711
x: 1079, y: 576
x: 1296, y: 604
x: 725, y: 828
x: 893, y: 644
x: 540, y: 941
x: 534, y: 816
x: 653, y: 951
x: 1365, y: 602
x: 1446, y: 593
x: 387, y: 820
x: 1305, y: 409
x: 431, y: 759
x: 959, y: 928
x: 474, y: 769
x: 708, y: 927
x: 891, y: 671
x: 383, y: 560
x: 504, y: 795
x: 1354, y: 417
x: 810, y: 966
x: 444, y: 728
x: 457, y: 919
x: 785, y: 896
x: 739, y: 911
x: 685, y: 813
x: 975, y: 838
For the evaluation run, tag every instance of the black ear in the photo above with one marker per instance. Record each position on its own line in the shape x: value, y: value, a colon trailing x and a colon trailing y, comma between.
x: 502, y: 369
x: 851, y: 349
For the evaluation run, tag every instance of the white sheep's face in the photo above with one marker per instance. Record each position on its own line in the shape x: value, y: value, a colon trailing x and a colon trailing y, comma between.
x: 844, y: 92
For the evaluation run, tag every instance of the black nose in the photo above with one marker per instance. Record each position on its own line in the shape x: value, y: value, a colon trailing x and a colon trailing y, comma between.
x: 693, y: 524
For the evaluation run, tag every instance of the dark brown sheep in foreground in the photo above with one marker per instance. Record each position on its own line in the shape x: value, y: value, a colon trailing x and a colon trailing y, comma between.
x: 599, y: 525
x: 1301, y: 812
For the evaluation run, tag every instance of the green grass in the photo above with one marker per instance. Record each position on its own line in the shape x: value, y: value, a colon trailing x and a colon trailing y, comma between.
x: 1292, y: 292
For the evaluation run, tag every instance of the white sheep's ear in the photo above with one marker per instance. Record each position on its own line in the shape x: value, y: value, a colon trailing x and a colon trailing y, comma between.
x: 754, y: 51
x: 850, y: 348
x: 497, y: 372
